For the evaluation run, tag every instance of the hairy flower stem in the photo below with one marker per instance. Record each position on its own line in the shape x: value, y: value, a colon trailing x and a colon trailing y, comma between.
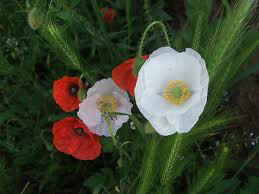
x: 121, y: 151
x: 142, y: 40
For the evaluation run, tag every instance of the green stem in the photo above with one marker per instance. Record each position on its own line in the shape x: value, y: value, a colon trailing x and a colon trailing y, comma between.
x: 108, y: 121
x: 142, y: 40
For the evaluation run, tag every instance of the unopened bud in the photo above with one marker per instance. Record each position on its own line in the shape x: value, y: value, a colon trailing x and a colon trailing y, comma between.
x: 35, y: 18
x: 81, y: 94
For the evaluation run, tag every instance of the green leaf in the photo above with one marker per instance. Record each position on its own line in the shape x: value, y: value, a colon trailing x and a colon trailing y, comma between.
x: 95, y: 180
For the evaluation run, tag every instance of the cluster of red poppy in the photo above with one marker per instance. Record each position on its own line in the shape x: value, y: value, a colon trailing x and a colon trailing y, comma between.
x: 108, y: 14
x: 71, y: 135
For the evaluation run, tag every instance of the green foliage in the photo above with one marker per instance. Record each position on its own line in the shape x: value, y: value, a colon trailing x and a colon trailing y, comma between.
x: 222, y: 48
x: 212, y: 173
x: 251, y: 186
x: 82, y: 44
x: 219, y: 54
x: 58, y: 41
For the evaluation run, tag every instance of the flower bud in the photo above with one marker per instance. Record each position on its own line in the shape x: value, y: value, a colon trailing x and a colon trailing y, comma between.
x: 35, y: 18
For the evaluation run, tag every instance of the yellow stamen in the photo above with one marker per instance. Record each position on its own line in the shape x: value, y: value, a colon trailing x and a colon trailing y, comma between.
x: 107, y: 104
x: 177, y: 92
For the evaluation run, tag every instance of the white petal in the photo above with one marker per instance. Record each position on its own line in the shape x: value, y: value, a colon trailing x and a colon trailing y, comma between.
x: 103, y: 129
x: 106, y: 86
x: 163, y: 50
x: 162, y: 126
x: 189, y: 119
x: 92, y: 117
x: 204, y: 72
x: 101, y: 87
x: 140, y: 85
x: 155, y: 104
x: 124, y: 105
x: 192, y: 52
x: 182, y: 108
x: 188, y: 70
x: 158, y: 71
x: 88, y: 111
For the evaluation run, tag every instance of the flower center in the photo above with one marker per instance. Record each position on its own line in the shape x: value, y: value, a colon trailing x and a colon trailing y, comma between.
x: 79, y: 131
x: 73, y: 89
x: 107, y: 104
x: 177, y: 92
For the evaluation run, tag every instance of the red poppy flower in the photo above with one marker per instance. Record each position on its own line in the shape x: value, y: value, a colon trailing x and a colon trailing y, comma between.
x: 124, y: 76
x: 109, y: 14
x: 72, y: 137
x: 65, y: 93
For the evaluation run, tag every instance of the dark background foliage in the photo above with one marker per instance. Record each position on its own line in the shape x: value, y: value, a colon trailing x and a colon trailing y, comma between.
x: 28, y: 161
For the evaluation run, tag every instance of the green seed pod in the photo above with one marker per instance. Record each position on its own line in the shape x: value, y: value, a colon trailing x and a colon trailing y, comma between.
x: 138, y: 64
x: 81, y: 94
x: 35, y: 18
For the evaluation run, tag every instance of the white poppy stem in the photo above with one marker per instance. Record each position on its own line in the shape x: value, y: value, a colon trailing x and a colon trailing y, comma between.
x: 108, y: 121
x: 142, y: 40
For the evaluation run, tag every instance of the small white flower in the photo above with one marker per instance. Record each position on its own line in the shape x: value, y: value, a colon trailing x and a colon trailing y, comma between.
x: 171, y: 90
x: 104, y: 97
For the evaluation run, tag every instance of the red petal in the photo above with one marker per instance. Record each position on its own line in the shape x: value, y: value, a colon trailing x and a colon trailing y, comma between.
x: 61, y: 94
x: 86, y: 147
x: 124, y: 77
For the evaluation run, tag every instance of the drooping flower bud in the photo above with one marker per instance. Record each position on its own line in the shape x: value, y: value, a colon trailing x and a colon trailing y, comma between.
x: 35, y: 18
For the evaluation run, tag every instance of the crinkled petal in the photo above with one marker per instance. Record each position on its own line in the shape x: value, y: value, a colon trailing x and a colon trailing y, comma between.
x: 164, y: 66
x: 162, y: 126
x: 192, y: 101
x: 163, y: 50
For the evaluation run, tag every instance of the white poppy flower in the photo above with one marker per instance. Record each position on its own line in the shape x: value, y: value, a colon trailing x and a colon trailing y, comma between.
x: 171, y: 90
x: 104, y: 97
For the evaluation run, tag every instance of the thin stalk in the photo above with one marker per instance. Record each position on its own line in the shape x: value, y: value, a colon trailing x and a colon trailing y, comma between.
x: 121, y: 151
x: 142, y: 40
